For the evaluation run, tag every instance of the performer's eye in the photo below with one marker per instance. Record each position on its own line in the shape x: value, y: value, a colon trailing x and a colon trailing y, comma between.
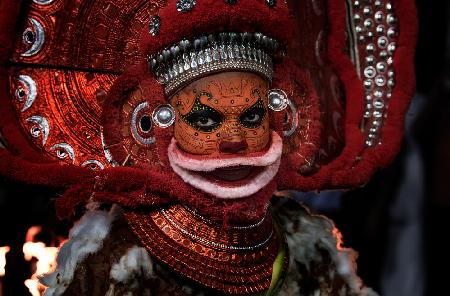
x: 205, y: 120
x: 253, y: 116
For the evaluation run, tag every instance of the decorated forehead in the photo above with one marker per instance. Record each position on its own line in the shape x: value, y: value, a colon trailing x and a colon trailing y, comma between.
x: 228, y: 93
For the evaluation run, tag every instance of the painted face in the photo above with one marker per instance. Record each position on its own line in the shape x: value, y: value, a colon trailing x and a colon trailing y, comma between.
x: 222, y: 141
x: 224, y: 113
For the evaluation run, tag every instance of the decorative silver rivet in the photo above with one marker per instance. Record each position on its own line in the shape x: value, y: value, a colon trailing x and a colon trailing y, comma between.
x: 378, y: 3
x: 378, y: 104
x: 164, y: 116
x: 367, y: 10
x: 383, y: 54
x: 392, y: 47
x: 271, y: 3
x: 20, y: 94
x: 376, y: 122
x: 358, y: 29
x: 368, y: 23
x: 391, y: 33
x: 379, y: 16
x: 368, y: 84
x: 377, y: 114
x: 380, y: 80
x: 155, y: 25
x: 278, y: 99
x: 357, y: 17
x: 370, y: 59
x: 370, y: 72
x: 35, y: 131
x: 378, y: 93
x: 370, y: 47
x: 391, y: 83
x: 381, y: 67
x: 185, y: 5
x: 380, y: 30
x: 391, y: 19
x: 388, y: 6
x: 382, y: 42
x: 391, y: 73
x: 356, y: 4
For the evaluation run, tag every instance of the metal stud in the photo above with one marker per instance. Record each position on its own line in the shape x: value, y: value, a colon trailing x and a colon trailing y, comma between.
x: 185, y: 5
x: 380, y: 80
x: 379, y: 16
x: 391, y: 19
x: 380, y: 30
x: 271, y: 3
x: 370, y: 72
x: 381, y: 67
x: 278, y: 99
x: 155, y: 25
x: 164, y: 116
x: 368, y: 23
x: 382, y: 42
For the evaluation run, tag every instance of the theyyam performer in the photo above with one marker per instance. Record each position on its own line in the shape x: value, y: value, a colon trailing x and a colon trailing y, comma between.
x: 173, y: 128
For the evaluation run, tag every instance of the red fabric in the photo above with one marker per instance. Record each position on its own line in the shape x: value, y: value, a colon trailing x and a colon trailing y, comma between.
x: 9, y: 128
x: 140, y: 186
x: 357, y: 163
x: 212, y: 16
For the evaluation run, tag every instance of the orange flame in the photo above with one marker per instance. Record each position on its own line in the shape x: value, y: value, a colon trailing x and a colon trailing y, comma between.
x: 45, y: 256
x: 3, y: 251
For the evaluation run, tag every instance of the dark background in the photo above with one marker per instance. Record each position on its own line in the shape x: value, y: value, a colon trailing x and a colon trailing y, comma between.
x: 398, y: 222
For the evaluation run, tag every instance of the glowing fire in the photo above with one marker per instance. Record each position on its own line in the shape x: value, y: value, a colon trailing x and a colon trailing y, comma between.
x: 3, y: 251
x: 45, y: 256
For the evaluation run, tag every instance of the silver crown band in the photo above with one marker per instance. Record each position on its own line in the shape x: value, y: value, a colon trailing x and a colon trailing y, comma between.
x: 184, y: 63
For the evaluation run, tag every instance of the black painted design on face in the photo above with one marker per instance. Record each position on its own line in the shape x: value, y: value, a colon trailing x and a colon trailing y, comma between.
x: 253, y: 116
x: 202, y: 117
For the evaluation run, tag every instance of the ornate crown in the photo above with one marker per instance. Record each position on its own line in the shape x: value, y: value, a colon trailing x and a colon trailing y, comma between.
x: 186, y: 61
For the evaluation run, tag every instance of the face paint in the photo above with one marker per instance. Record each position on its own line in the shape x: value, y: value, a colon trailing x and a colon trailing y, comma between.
x: 224, y: 113
x: 222, y: 141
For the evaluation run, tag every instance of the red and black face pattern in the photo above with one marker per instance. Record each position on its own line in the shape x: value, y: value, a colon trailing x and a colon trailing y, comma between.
x: 224, y: 113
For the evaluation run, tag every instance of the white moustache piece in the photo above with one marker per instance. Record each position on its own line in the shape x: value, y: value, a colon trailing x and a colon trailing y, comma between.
x: 190, y: 168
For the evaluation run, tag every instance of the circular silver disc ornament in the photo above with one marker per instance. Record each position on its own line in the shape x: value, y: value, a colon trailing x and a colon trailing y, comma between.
x: 278, y: 99
x: 163, y: 116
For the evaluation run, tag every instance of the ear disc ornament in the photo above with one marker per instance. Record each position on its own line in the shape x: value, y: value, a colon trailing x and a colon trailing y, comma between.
x: 163, y: 116
x: 278, y: 99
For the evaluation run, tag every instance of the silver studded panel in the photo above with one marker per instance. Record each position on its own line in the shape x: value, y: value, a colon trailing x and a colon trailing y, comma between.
x: 375, y: 30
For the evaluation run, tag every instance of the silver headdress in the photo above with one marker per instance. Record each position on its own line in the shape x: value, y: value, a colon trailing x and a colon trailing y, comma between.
x: 179, y: 65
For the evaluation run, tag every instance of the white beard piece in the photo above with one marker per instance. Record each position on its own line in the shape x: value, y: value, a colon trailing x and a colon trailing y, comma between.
x: 188, y: 168
x: 85, y: 238
x: 307, y: 235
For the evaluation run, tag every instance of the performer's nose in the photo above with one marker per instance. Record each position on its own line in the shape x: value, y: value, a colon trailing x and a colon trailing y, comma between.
x: 233, y: 147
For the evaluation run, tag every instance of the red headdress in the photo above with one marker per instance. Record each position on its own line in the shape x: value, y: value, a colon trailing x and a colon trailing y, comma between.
x: 76, y: 75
